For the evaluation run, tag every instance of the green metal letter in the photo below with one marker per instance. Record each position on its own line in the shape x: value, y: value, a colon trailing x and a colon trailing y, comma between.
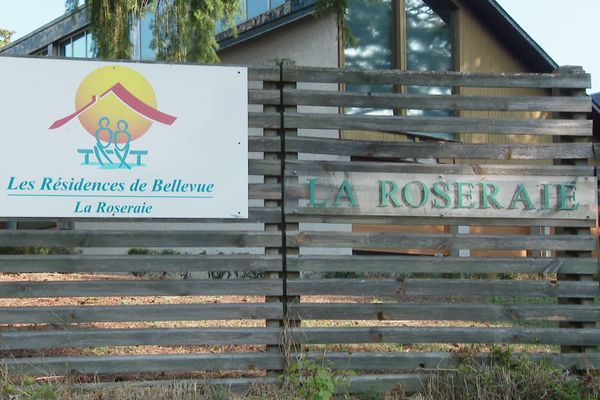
x: 521, y: 195
x: 346, y: 192
x: 311, y: 194
x: 386, y: 194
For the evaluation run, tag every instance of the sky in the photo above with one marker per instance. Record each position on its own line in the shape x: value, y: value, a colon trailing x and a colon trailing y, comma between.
x: 562, y: 28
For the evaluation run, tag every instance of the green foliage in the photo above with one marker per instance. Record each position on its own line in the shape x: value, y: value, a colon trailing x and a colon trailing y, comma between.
x: 340, y: 9
x: 29, y: 389
x: 5, y: 36
x: 183, y: 29
x: 510, y: 377
x: 314, y: 380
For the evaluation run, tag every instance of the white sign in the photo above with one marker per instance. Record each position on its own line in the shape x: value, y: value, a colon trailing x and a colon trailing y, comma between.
x: 98, y: 139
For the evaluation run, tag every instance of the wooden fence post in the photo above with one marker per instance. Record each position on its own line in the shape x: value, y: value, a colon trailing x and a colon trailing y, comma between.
x: 571, y: 70
x: 282, y: 227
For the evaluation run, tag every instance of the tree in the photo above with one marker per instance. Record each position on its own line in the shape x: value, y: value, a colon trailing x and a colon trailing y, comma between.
x: 184, y: 30
x: 5, y: 36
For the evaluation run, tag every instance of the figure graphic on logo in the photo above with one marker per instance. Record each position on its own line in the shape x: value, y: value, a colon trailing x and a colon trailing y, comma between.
x: 121, y: 94
x: 102, y: 150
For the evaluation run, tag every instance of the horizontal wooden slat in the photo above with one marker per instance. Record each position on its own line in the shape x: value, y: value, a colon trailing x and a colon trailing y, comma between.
x: 138, y: 263
x: 146, y: 238
x: 267, y: 287
x: 462, y: 265
x: 28, y: 340
x: 364, y: 148
x: 263, y: 73
x: 264, y: 120
x: 139, y: 313
x: 417, y: 78
x: 314, y: 168
x: 378, y: 240
x: 264, y: 167
x: 222, y: 361
x: 111, y: 288
x: 329, y: 98
x: 147, y: 363
x: 266, y: 191
x: 303, y: 311
x: 347, y: 216
x: 442, y: 287
x: 445, y: 312
x: 39, y: 339
x: 441, y: 360
x: 550, y: 336
x: 255, y: 214
x: 397, y: 124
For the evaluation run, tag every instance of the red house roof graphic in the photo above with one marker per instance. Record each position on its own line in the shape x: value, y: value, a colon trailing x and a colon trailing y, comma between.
x: 127, y: 98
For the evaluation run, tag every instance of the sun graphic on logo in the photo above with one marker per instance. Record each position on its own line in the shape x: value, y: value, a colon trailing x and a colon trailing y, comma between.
x: 111, y: 105
x: 115, y: 104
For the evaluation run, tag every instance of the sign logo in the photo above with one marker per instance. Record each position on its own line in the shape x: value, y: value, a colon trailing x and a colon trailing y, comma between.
x: 116, y: 105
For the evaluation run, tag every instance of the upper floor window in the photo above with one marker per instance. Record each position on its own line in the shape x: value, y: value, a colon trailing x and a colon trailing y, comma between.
x: 141, y: 35
x: 80, y: 45
x: 252, y: 9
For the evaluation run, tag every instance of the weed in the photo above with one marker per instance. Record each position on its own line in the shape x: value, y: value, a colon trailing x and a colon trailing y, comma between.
x: 28, y: 389
x: 509, y: 376
x: 314, y: 380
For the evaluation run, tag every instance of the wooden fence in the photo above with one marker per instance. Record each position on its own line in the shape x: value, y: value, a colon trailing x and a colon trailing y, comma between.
x: 389, y: 295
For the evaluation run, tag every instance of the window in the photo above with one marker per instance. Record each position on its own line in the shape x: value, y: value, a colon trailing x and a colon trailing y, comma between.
x: 252, y: 9
x: 41, y: 53
x: 141, y: 35
x: 80, y: 45
x: 413, y: 35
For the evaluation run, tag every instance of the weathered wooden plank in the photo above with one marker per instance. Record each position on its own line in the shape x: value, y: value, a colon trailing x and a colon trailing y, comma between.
x: 266, y: 191
x: 379, y: 240
x: 270, y: 120
x: 332, y: 311
x: 348, y: 216
x: 193, y: 362
x: 418, y: 78
x: 40, y: 339
x: 442, y: 287
x: 106, y: 288
x: 138, y: 263
x: 441, y: 360
x: 401, y: 124
x: 263, y: 73
x: 148, y: 238
x: 139, y: 313
x: 375, y: 287
x: 444, y: 312
x: 255, y: 214
x: 264, y: 167
x: 364, y: 148
x: 550, y: 336
x: 410, y: 194
x: 329, y: 98
x: 462, y: 265
x: 139, y: 364
x: 319, y: 168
